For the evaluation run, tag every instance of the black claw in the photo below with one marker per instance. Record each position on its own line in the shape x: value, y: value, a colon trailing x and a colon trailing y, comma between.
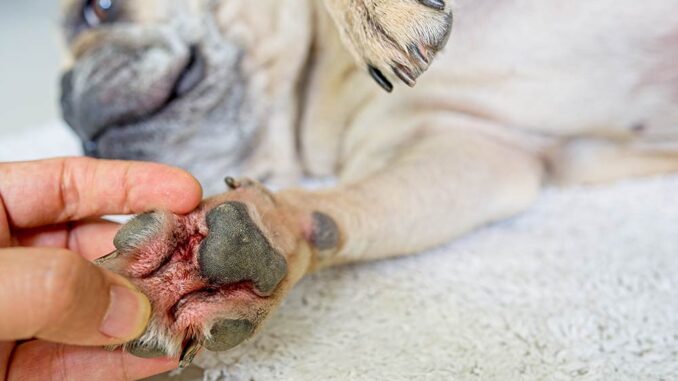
x: 419, y: 55
x: 136, y: 231
x: 380, y: 79
x: 232, y: 183
x: 405, y: 75
x: 191, y: 349
x: 435, y: 4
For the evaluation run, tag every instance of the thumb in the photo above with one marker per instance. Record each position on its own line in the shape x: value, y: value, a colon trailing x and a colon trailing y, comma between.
x: 56, y: 295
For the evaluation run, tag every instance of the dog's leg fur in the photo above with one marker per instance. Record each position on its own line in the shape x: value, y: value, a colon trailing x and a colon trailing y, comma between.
x: 438, y: 187
x: 592, y: 161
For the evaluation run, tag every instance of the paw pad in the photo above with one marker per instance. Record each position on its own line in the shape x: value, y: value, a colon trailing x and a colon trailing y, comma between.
x: 235, y: 250
x: 227, y: 334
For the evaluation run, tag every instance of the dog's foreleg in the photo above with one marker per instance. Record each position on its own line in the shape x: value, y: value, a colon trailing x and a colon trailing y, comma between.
x: 436, y: 188
x: 216, y: 274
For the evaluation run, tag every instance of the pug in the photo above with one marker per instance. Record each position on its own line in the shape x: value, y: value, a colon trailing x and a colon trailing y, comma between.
x: 427, y: 139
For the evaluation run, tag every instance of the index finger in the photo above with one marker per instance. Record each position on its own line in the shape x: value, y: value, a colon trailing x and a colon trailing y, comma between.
x: 58, y: 190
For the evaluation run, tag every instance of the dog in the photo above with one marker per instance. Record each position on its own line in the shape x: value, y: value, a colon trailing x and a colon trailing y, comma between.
x: 435, y: 117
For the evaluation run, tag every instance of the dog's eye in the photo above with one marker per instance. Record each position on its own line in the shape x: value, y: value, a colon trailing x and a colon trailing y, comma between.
x: 97, y: 12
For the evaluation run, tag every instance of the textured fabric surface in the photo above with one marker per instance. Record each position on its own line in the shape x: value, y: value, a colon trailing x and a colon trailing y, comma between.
x: 583, y: 286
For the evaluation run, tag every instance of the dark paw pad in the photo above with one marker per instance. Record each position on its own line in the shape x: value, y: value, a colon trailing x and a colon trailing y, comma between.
x: 227, y: 334
x: 325, y: 233
x: 149, y: 235
x: 137, y: 232
x: 235, y: 250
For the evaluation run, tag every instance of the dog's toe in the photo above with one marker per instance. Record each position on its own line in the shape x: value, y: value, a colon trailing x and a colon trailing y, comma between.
x: 396, y: 41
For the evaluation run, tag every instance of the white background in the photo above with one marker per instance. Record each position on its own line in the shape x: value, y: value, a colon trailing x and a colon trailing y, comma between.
x: 30, y: 57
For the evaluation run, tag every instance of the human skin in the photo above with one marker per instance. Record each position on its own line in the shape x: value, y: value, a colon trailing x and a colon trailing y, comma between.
x: 53, y: 301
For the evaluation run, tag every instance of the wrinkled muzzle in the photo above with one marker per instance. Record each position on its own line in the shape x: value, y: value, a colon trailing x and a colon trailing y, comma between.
x: 147, y: 93
x: 119, y: 83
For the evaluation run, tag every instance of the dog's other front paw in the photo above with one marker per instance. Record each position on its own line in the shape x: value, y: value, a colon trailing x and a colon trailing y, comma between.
x: 393, y: 38
x: 214, y: 275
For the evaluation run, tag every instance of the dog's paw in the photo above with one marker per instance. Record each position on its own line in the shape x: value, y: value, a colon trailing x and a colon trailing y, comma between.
x: 214, y: 275
x: 394, y: 38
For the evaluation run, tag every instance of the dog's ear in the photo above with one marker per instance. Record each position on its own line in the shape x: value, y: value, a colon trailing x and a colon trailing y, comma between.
x: 393, y: 39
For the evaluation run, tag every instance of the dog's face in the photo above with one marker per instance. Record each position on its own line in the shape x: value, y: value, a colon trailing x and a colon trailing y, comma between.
x: 162, y: 80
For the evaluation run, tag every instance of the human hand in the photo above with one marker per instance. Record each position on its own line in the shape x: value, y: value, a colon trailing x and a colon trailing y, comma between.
x: 53, y: 301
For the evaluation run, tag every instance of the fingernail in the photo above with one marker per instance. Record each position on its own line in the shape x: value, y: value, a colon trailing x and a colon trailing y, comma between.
x: 127, y: 315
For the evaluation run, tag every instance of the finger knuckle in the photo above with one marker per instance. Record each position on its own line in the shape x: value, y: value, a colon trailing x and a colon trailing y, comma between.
x: 69, y: 191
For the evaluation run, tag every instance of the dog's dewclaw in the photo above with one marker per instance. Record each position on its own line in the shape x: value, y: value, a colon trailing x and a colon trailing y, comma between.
x: 232, y: 183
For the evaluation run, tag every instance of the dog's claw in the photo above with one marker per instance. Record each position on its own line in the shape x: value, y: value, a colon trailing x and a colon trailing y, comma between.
x: 435, y: 4
x: 232, y: 183
x: 191, y: 349
x: 380, y: 79
x: 405, y: 75
x: 417, y: 53
x: 106, y: 258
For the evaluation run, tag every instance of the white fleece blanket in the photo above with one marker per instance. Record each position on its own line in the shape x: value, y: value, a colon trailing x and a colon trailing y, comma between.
x: 583, y: 286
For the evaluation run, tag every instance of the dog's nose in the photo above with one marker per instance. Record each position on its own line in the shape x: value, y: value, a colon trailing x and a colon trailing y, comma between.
x: 118, y: 85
